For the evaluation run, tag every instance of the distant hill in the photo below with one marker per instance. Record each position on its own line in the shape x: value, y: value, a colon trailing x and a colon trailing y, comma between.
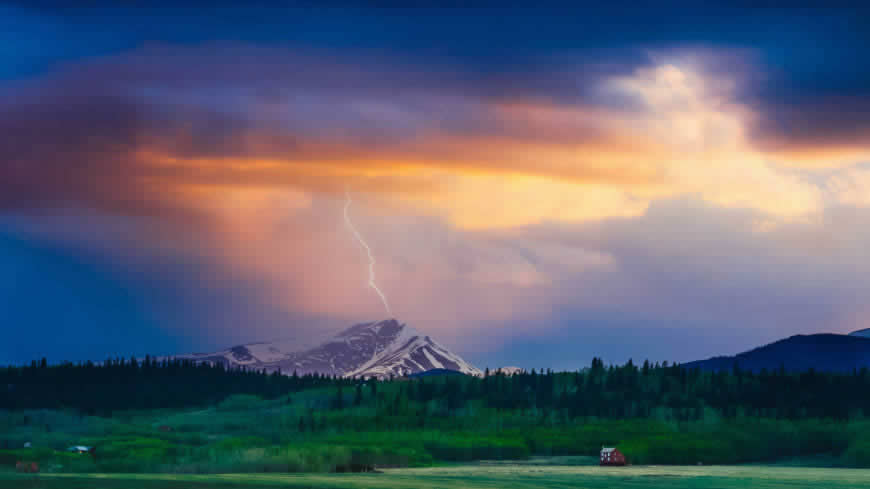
x: 864, y: 333
x: 822, y: 352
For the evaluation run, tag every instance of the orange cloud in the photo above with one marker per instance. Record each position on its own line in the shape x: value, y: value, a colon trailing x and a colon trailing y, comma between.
x: 688, y: 136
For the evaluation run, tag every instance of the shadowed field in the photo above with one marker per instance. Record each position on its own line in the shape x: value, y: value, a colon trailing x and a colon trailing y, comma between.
x: 503, y: 475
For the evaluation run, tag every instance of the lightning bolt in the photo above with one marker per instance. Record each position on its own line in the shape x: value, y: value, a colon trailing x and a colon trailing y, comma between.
x: 362, y: 241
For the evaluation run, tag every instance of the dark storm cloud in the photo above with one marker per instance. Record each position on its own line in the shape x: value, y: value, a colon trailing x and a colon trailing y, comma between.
x: 73, y: 142
x: 814, y: 85
x: 61, y: 149
x: 815, y: 123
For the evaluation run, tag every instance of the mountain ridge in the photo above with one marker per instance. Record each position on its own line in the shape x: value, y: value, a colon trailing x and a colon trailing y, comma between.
x: 821, y: 352
x: 375, y: 349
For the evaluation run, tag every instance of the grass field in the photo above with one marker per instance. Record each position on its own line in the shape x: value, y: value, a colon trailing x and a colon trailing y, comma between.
x: 522, y: 475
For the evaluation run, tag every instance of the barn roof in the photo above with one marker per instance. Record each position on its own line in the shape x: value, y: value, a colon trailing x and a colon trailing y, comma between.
x: 607, y: 450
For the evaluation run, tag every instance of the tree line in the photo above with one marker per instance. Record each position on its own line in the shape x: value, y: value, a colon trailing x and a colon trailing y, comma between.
x: 123, y: 384
x: 649, y: 391
x: 608, y: 392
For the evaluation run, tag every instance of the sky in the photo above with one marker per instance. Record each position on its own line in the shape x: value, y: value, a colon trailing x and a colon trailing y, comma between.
x: 538, y: 186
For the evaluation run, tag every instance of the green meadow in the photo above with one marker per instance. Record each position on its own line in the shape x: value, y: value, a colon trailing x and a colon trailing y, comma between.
x: 246, y: 434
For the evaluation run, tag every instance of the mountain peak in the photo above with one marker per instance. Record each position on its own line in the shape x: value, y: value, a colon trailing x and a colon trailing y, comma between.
x: 405, y: 351
x: 383, y: 328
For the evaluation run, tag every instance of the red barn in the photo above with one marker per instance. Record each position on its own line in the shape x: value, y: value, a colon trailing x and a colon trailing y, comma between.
x: 27, y: 467
x: 612, y: 456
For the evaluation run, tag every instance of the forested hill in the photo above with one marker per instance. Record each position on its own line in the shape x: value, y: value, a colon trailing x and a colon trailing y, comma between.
x: 820, y: 352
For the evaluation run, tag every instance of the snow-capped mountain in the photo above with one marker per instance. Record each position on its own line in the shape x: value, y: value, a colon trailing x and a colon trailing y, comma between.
x: 378, y: 349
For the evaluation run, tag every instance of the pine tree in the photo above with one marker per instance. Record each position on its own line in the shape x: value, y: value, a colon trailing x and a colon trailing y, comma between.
x: 339, y: 399
x: 357, y: 400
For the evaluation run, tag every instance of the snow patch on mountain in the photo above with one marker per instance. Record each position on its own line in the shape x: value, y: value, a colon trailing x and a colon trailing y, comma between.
x: 510, y: 371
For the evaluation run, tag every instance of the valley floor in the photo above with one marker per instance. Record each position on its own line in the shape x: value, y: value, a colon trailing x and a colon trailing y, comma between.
x: 503, y: 475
